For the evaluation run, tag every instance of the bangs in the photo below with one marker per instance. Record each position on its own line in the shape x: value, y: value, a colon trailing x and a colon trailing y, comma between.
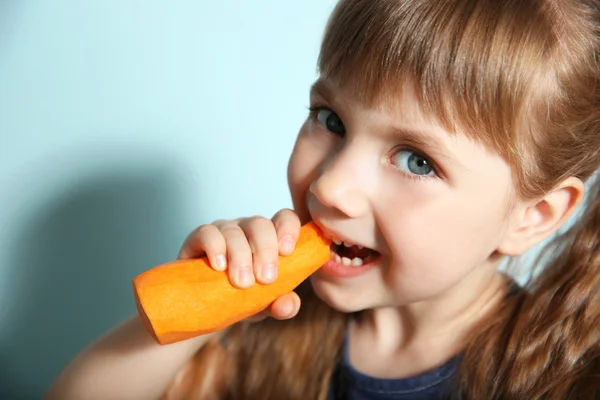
x: 473, y: 64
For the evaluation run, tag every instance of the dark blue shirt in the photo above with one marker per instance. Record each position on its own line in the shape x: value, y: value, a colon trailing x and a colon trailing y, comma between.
x: 350, y: 384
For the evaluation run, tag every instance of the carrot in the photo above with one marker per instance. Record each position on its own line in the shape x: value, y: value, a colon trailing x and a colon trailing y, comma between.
x: 187, y: 298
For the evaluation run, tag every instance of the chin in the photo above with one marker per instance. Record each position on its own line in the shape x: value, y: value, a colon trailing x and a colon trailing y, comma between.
x: 340, y: 299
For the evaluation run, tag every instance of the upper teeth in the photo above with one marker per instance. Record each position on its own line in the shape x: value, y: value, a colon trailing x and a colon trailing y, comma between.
x: 338, y: 242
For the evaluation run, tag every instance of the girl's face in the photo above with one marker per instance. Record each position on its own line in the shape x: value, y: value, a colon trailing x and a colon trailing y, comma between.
x: 432, y: 203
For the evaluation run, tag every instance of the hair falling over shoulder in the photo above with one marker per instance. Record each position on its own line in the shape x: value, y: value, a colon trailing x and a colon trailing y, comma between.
x: 544, y: 342
x: 292, y: 359
x: 523, y: 78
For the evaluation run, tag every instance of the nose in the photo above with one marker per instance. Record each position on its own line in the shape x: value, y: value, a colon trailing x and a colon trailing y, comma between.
x: 344, y: 184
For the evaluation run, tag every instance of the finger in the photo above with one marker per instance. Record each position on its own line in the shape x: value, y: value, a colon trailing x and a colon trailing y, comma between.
x: 286, y: 306
x: 287, y: 225
x: 206, y: 240
x: 239, y: 256
x: 263, y: 244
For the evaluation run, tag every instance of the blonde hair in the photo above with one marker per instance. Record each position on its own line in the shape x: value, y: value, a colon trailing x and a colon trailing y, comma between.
x: 521, y: 77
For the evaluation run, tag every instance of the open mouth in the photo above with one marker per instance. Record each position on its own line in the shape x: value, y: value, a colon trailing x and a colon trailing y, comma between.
x: 352, y: 255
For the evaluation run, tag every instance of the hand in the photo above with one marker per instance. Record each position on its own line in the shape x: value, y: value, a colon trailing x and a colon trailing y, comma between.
x: 248, y: 248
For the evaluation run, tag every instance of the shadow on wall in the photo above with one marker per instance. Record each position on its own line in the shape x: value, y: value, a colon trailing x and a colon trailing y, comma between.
x: 73, y: 263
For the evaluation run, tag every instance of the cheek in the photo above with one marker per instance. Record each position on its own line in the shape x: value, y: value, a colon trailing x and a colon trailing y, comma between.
x: 436, y: 244
x: 303, y: 168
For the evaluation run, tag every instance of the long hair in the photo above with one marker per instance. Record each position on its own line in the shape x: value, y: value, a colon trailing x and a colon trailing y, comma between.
x: 522, y: 78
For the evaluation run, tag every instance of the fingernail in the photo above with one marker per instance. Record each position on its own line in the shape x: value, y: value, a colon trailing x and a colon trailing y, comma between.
x: 269, y: 271
x: 245, y: 275
x: 287, y: 244
x: 221, y: 263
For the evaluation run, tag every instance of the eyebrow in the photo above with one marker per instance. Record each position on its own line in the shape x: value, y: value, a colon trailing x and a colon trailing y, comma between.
x: 418, y: 139
x: 320, y: 88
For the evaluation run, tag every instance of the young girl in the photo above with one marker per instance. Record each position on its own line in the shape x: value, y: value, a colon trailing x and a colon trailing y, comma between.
x: 444, y: 137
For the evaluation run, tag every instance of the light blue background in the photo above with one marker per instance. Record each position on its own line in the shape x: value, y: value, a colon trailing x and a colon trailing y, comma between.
x: 123, y: 125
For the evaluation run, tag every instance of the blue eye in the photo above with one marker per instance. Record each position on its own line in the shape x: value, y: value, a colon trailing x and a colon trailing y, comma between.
x: 330, y: 121
x: 413, y: 163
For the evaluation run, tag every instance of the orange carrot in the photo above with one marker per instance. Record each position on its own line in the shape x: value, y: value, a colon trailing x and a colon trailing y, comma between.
x: 186, y: 298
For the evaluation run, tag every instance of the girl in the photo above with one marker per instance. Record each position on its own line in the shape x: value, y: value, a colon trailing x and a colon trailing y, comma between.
x: 444, y: 137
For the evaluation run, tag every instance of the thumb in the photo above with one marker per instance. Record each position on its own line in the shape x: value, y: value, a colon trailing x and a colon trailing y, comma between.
x: 285, y: 307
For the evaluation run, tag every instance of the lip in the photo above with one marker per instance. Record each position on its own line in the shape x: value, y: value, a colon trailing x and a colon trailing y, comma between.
x: 338, y: 270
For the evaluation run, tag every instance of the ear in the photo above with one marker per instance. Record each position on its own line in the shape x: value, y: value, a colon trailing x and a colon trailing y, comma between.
x: 535, y: 220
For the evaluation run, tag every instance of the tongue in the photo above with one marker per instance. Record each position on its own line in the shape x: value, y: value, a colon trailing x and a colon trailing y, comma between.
x: 352, y: 252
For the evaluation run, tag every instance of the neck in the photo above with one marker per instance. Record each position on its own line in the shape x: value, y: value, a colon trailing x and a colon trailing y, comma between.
x: 437, y: 326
